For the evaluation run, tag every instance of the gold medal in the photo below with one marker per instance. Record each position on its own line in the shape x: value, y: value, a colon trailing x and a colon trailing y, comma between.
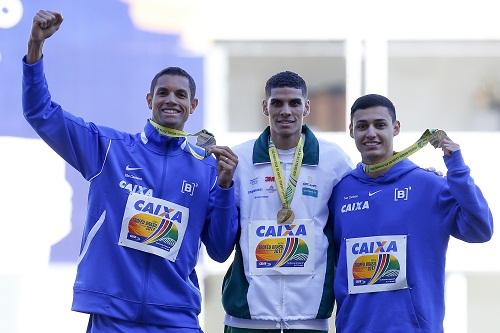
x: 285, y: 216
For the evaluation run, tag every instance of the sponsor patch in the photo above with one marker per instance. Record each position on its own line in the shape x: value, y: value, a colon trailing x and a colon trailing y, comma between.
x: 310, y: 192
x: 376, y: 263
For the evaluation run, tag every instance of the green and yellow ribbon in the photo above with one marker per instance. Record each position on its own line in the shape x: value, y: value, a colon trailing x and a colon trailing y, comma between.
x: 433, y: 136
x: 286, y: 197
x: 171, y: 132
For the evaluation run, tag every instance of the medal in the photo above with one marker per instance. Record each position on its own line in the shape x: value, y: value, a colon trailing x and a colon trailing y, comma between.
x: 437, y: 137
x: 285, y: 216
x: 205, y: 139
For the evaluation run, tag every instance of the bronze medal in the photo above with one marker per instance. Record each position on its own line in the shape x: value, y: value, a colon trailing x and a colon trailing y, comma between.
x: 437, y: 137
x: 285, y: 216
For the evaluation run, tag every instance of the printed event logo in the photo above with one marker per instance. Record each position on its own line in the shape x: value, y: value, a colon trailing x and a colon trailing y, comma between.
x: 281, y: 246
x: 375, y: 269
x: 155, y: 230
x: 376, y: 263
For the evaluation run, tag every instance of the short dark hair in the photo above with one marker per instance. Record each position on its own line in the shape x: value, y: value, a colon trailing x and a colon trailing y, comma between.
x: 372, y: 100
x: 174, y: 71
x: 286, y: 79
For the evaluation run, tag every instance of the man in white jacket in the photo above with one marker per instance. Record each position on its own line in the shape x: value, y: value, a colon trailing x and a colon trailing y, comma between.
x: 282, y: 273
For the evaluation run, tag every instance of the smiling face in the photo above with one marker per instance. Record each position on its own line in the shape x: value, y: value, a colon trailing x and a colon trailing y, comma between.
x: 171, y: 101
x: 373, y: 131
x: 285, y: 107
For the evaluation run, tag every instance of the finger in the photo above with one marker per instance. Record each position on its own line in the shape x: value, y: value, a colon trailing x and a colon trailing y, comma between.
x: 58, y: 18
x: 226, y: 162
x: 220, y: 149
x: 40, y: 21
x: 45, y: 16
x: 48, y: 18
x: 224, y: 152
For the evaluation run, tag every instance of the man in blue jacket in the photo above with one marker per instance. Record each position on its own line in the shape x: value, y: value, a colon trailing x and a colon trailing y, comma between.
x: 392, y: 224
x: 153, y: 197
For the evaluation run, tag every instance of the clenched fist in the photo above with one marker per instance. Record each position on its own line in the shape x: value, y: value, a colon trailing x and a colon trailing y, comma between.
x: 45, y: 24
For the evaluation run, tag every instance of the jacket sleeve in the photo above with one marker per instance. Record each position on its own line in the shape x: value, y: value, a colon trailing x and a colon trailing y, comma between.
x: 463, y: 204
x: 76, y: 141
x: 221, y: 228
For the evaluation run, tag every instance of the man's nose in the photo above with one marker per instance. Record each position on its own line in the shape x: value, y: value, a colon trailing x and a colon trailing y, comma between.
x: 170, y: 98
x: 285, y: 110
x: 371, y: 131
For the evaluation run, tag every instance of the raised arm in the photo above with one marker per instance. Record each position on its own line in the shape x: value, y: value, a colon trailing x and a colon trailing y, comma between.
x: 461, y: 200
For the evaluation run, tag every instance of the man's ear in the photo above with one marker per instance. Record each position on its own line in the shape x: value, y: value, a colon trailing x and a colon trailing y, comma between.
x: 194, y: 104
x: 265, y: 110
x: 307, y: 108
x: 149, y: 100
x: 351, y: 133
x: 396, y: 127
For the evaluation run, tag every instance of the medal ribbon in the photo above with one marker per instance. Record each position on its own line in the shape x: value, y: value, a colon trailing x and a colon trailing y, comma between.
x: 181, y: 134
x: 434, y: 136
x: 286, y: 197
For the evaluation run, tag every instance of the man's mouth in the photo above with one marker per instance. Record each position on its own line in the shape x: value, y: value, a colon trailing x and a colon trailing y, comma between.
x: 170, y: 111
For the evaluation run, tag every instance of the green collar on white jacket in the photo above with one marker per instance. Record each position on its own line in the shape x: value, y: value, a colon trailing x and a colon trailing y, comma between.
x: 311, y: 148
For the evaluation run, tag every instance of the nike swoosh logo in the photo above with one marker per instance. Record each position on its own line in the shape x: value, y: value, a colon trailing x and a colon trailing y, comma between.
x: 127, y: 168
x: 373, y: 193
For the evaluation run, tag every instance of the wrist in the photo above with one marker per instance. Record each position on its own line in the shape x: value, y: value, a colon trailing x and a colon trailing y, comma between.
x: 34, y: 51
x: 225, y: 184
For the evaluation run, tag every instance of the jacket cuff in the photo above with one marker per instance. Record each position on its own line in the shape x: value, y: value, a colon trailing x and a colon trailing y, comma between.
x: 455, y: 161
x: 224, y: 197
x: 32, y: 71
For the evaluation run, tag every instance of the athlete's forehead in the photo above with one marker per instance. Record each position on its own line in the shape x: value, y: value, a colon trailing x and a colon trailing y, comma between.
x: 372, y: 114
x: 285, y: 94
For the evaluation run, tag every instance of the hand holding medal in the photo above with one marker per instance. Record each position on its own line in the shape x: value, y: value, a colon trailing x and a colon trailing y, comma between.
x: 441, y: 140
x: 226, y: 164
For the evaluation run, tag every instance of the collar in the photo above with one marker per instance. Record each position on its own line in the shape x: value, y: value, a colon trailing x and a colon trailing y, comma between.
x: 311, y: 148
x: 152, y: 139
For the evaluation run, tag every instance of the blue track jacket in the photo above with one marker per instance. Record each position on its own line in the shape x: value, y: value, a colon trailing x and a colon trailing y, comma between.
x: 423, y: 208
x: 118, y: 281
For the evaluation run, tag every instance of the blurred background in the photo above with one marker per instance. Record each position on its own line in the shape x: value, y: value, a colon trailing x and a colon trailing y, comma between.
x: 439, y: 62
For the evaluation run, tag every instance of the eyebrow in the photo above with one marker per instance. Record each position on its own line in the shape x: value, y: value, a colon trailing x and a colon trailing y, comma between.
x: 274, y: 99
x: 176, y: 90
x: 374, y: 120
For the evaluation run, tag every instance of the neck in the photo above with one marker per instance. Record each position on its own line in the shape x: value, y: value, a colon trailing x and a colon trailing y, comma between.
x: 377, y: 173
x: 285, y: 142
x: 380, y: 172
